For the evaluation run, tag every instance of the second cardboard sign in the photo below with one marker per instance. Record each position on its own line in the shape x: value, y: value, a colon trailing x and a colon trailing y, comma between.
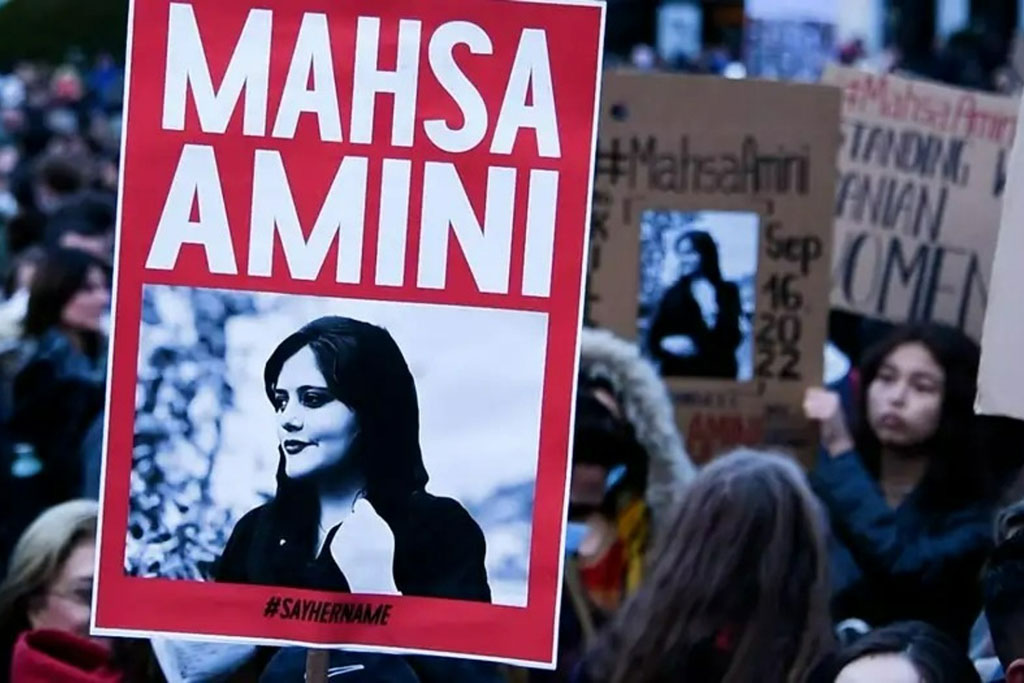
x: 711, y: 246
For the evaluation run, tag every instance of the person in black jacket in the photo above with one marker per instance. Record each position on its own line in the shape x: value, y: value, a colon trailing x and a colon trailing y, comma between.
x: 57, y: 393
x: 911, y: 501
x: 348, y: 424
x: 696, y: 329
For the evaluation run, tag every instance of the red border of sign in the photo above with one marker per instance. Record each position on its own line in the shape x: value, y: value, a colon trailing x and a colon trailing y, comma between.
x: 129, y: 606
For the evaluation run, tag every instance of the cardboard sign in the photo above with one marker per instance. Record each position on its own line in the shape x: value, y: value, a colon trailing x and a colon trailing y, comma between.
x: 347, y: 302
x: 710, y: 246
x: 921, y: 175
x: 1001, y: 376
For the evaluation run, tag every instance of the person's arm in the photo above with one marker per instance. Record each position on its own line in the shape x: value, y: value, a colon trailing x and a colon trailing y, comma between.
x: 868, y: 525
x: 864, y: 519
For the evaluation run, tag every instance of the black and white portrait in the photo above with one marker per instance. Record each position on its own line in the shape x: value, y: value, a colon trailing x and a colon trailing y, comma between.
x: 341, y: 445
x: 697, y: 292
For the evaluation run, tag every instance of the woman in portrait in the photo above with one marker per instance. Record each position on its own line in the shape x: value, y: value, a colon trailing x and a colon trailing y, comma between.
x: 351, y: 480
x: 695, y: 330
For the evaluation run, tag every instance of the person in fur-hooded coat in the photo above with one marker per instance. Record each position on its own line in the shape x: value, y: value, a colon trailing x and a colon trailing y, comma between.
x: 629, y: 467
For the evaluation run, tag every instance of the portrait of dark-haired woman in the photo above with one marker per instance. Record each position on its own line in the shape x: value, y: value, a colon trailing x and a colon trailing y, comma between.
x: 695, y: 330
x: 348, y: 441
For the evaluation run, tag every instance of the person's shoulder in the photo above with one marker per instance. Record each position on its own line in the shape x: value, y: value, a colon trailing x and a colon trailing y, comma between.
x: 731, y: 288
x: 975, y: 515
x: 439, y: 517
x: 249, y: 526
x: 677, y: 289
x: 53, y: 355
x: 232, y: 565
x: 439, y: 508
x: 254, y: 519
x: 440, y: 550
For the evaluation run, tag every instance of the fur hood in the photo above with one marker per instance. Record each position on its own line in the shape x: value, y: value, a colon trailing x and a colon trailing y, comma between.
x: 647, y: 406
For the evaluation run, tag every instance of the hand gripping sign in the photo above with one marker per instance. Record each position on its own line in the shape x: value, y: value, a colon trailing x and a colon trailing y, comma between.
x: 347, y: 301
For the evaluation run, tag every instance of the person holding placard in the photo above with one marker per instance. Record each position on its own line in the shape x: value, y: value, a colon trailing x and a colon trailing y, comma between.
x: 628, y: 467
x: 909, y: 500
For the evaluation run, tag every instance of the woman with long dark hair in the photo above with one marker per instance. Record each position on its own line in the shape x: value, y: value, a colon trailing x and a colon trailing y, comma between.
x: 58, y: 390
x: 910, y: 498
x: 351, y: 513
x: 348, y: 430
x: 696, y: 330
x: 737, y: 590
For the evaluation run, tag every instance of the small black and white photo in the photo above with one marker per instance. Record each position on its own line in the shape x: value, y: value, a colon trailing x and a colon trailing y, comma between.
x: 698, y: 272
x: 333, y: 444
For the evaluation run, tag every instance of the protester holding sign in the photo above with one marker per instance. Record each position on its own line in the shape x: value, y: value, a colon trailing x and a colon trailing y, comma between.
x: 629, y: 468
x: 909, y: 498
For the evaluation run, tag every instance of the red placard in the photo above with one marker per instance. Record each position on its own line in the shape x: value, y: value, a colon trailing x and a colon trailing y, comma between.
x: 418, y: 168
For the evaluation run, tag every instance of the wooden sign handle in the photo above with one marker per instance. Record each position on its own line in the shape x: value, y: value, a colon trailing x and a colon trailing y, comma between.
x: 316, y: 666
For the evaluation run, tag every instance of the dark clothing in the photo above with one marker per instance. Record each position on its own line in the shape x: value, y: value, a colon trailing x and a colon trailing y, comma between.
x: 57, y: 396
x: 572, y: 635
x: 439, y: 553
x: 680, y: 314
x: 91, y: 454
x: 908, y: 563
x: 289, y: 666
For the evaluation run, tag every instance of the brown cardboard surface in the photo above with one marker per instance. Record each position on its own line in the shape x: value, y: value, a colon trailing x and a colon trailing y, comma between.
x: 921, y: 176
x: 691, y: 143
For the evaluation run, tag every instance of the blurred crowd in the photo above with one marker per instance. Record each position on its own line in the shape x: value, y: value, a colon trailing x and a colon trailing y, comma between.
x: 59, y: 146
x: 899, y: 557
